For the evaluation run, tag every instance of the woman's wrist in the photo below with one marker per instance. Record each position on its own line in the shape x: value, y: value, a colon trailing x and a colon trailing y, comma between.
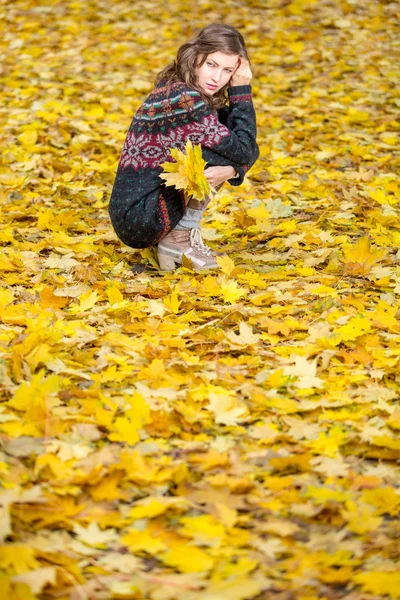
x: 233, y: 173
x: 233, y: 90
x: 239, y: 83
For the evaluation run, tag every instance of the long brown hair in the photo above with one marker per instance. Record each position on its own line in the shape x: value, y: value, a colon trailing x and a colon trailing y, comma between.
x: 215, y: 37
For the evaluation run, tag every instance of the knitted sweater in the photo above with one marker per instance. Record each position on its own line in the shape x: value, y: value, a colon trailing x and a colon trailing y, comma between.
x: 142, y: 209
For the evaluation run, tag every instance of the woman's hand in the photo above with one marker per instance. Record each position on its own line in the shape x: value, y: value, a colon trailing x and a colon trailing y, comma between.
x: 218, y: 175
x: 243, y: 74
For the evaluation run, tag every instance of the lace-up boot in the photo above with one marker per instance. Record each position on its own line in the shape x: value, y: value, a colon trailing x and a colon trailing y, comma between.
x: 188, y: 243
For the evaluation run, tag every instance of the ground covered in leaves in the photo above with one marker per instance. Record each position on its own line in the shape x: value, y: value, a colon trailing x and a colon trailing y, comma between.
x: 192, y: 436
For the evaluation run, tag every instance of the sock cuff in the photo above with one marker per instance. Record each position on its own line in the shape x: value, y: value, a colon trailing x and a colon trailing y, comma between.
x: 190, y: 219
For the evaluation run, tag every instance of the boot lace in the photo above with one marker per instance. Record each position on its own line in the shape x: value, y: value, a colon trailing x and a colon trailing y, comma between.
x: 196, y: 241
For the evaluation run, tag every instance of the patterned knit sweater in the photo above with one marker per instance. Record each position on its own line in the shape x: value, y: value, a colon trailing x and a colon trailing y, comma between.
x: 142, y: 209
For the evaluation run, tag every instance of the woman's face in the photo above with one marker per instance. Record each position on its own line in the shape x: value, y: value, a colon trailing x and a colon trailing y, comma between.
x: 216, y: 71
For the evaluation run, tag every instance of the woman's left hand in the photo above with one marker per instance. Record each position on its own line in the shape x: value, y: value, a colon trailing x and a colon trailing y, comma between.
x: 243, y: 74
x: 218, y: 175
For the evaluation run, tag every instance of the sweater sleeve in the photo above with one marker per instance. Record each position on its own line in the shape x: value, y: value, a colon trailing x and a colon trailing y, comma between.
x: 231, y: 144
x: 223, y: 114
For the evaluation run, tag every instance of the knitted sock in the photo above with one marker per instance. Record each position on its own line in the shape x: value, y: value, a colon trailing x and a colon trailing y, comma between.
x: 190, y: 219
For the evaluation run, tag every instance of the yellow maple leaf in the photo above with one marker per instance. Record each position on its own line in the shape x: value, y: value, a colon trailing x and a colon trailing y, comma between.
x: 28, y: 138
x: 113, y: 294
x: 245, y: 337
x: 380, y: 196
x: 260, y: 214
x: 385, y: 441
x: 152, y: 509
x: 384, y: 499
x: 35, y: 391
x: 202, y: 528
x: 172, y: 302
x: 35, y: 399
x: 280, y: 527
x: 124, y: 431
x: 188, y: 559
x: 322, y: 495
x: 12, y: 589
x: 87, y: 300
x: 306, y: 373
x: 187, y: 172
x: 226, y: 515
x: 360, y: 517
x: 235, y: 588
x: 386, y: 316
x: 108, y: 488
x: 10, y: 263
x: 328, y: 444
x: 210, y: 286
x: 17, y: 558
x: 357, y: 116
x: 389, y: 138
x: 36, y: 580
x: 226, y: 263
x: 142, y: 541
x: 354, y: 327
x: 394, y: 419
x: 296, y: 47
x: 231, y: 292
x: 155, y: 371
x: 360, y: 258
x: 6, y: 297
x: 59, y: 470
x: 380, y: 583
x: 5, y: 586
x: 94, y: 536
x: 226, y: 407
x: 49, y: 299
x: 126, y: 428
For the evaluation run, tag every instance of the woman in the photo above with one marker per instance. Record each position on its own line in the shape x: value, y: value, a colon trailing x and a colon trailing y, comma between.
x: 188, y: 102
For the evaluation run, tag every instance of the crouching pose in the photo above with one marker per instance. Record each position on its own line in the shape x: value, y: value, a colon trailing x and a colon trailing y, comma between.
x: 204, y: 96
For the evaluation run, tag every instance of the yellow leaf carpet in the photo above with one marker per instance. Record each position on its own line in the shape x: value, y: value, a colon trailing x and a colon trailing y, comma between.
x: 231, y: 435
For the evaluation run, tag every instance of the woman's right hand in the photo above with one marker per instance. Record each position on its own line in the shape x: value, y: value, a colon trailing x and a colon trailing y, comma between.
x: 243, y: 74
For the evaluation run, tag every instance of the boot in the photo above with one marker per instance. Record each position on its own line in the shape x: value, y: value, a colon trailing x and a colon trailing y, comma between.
x: 188, y: 243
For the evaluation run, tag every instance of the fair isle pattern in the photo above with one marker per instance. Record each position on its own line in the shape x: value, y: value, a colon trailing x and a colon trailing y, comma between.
x: 242, y: 98
x: 150, y: 115
x: 167, y: 109
x: 150, y: 150
x: 163, y: 211
x: 142, y: 209
x: 170, y: 107
x: 165, y: 101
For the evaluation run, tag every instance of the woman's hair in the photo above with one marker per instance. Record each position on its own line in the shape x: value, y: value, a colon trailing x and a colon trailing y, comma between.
x: 212, y: 38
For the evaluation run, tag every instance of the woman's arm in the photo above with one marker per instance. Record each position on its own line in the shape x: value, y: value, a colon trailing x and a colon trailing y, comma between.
x: 226, y: 145
x: 239, y: 91
x: 185, y: 115
x: 237, y: 140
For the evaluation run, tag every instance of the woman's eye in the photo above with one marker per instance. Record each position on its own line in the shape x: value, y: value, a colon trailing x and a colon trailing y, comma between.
x: 210, y: 64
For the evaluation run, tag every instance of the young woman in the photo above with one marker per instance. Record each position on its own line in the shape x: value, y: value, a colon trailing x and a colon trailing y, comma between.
x: 204, y: 96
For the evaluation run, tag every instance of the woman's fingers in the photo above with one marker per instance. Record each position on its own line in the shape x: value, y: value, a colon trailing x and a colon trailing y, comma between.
x: 243, y: 64
x: 217, y: 175
x: 243, y: 74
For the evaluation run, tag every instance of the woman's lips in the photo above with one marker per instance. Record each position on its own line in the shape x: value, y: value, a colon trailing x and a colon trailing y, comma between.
x: 212, y: 87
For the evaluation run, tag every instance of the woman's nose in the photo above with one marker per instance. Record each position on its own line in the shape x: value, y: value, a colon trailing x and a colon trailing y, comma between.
x: 216, y: 76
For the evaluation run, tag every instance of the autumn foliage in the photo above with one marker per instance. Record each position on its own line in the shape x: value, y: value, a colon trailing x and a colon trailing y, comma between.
x: 185, y: 171
x: 231, y: 435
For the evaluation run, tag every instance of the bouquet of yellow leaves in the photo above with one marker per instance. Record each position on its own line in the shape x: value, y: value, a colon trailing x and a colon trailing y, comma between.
x: 187, y: 173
